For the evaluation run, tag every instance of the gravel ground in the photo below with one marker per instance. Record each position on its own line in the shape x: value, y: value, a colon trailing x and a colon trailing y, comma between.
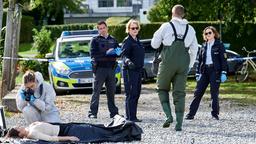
x: 236, y: 125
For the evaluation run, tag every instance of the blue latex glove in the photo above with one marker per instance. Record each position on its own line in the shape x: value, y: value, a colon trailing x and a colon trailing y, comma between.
x: 32, y: 98
x: 22, y: 94
x: 198, y: 76
x: 223, y: 77
x: 118, y: 51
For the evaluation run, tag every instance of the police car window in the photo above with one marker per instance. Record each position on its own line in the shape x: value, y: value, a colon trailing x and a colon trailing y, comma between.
x: 74, y: 49
x: 148, y: 48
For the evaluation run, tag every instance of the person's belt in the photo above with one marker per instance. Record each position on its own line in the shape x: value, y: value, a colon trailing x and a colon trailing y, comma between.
x: 208, y: 65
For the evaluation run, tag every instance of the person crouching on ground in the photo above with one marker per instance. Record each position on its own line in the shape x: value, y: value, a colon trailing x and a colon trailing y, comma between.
x: 35, y: 99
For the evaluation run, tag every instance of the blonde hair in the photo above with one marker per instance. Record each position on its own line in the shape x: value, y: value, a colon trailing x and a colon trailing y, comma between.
x: 216, y: 33
x: 132, y: 21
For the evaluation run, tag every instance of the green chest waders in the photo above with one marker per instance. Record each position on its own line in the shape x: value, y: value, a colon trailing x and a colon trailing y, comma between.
x: 173, y: 72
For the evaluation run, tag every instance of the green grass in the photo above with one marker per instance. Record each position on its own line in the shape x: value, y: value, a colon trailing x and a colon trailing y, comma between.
x: 117, y: 20
x: 25, y: 50
x: 18, y: 79
x: 230, y: 90
x: 25, y: 47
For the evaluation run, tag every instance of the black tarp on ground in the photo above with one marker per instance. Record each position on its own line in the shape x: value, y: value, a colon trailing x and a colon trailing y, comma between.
x: 118, y: 130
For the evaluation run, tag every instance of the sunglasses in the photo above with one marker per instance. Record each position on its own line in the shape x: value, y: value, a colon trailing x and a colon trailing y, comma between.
x: 134, y: 28
x: 209, y: 33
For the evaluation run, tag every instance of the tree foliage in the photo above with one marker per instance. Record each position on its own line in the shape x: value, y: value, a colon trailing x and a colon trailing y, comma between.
x: 238, y: 11
x: 50, y: 10
x: 54, y: 9
x: 42, y: 41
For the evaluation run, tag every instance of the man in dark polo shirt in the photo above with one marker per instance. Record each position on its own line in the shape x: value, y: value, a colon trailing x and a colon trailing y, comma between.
x: 103, y: 48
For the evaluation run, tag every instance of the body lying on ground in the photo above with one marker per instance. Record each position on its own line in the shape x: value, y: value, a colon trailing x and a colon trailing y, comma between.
x: 118, y: 130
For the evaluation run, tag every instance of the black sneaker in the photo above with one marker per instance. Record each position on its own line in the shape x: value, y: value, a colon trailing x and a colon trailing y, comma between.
x: 92, y: 116
x: 216, y: 117
x: 137, y: 120
x: 189, y: 117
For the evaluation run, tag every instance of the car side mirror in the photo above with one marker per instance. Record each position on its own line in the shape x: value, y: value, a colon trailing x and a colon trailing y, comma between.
x: 49, y: 55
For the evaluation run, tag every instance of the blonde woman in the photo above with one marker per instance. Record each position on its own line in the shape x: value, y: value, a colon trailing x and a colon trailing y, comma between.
x: 133, y: 61
x: 35, y: 99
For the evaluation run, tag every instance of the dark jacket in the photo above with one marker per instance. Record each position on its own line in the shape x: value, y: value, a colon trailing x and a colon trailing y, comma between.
x: 219, y: 57
x: 99, y: 46
x: 133, y: 50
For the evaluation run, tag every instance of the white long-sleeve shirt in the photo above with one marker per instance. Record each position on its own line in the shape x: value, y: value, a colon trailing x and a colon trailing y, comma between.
x: 43, y: 131
x: 165, y: 35
x: 209, y: 52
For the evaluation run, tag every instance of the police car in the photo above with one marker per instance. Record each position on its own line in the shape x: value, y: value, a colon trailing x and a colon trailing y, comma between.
x: 70, y: 67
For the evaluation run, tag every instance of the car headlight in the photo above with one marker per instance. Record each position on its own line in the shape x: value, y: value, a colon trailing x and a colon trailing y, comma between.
x: 61, y: 68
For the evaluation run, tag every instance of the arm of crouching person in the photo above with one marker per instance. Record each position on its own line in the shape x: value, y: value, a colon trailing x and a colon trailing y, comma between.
x: 48, y: 98
x: 20, y: 101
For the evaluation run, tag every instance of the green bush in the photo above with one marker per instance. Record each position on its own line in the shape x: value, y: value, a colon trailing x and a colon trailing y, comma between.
x: 42, y: 42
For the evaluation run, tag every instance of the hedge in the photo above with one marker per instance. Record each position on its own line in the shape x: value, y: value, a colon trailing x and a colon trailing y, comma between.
x: 57, y: 29
x: 231, y: 35
x: 27, y: 24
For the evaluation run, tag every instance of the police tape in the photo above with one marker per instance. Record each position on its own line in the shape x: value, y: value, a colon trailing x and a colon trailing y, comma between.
x: 241, y: 58
x: 27, y: 59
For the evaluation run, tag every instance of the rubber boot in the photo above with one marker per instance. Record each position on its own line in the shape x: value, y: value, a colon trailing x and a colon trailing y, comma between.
x: 164, y: 100
x: 179, y: 119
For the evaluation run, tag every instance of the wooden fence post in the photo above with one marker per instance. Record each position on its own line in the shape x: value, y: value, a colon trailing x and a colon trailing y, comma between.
x: 6, y: 69
x: 16, y: 40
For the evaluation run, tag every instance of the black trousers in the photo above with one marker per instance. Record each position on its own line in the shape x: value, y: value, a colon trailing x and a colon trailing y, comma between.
x: 107, y: 76
x: 209, y: 77
x: 132, y: 85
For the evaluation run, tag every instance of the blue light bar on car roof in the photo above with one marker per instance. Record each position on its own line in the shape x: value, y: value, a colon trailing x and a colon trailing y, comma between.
x: 78, y: 33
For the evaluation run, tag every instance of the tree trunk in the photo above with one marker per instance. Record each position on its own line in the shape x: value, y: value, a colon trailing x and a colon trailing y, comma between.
x: 1, y: 16
x: 6, y: 77
x: 16, y: 40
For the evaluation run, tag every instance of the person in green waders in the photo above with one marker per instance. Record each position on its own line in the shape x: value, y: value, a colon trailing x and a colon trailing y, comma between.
x: 177, y: 57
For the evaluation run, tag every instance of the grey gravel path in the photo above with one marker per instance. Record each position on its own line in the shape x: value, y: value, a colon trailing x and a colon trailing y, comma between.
x: 237, y: 124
